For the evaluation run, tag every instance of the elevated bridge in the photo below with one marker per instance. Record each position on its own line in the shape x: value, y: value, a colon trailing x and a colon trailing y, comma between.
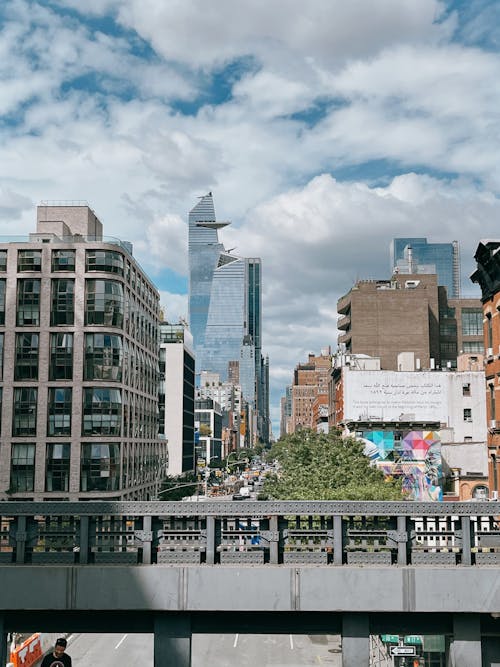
x: 175, y: 569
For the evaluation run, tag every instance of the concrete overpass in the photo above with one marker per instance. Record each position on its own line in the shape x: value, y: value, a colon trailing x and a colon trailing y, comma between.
x: 176, y: 569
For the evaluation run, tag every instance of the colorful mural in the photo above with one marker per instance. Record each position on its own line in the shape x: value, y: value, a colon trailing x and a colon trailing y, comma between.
x: 413, y: 455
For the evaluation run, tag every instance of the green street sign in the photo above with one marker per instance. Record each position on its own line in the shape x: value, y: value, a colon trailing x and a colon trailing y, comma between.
x: 415, y: 640
x: 390, y: 639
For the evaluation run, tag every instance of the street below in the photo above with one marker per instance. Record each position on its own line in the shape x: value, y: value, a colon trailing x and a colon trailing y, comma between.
x: 215, y: 650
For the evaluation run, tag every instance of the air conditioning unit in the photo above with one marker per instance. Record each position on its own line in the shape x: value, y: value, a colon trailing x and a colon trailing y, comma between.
x: 494, y: 495
x: 489, y: 352
x: 493, y: 424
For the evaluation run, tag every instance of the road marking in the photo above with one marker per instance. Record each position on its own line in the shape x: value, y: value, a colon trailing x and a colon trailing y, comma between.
x: 121, y: 641
x: 320, y: 662
x: 70, y: 638
x: 235, y: 640
x: 291, y: 642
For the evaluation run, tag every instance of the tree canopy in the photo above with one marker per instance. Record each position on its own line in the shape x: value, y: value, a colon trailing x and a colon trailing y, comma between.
x: 326, y: 466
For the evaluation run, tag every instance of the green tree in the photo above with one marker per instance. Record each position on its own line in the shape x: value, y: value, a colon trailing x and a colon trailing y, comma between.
x: 325, y: 466
x: 179, y: 486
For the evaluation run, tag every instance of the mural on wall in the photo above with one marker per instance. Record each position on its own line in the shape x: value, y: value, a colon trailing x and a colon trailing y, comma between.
x: 413, y: 455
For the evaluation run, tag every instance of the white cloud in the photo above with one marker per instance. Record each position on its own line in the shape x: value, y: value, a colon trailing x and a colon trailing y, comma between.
x: 166, y: 243
x: 174, y: 306
x: 202, y: 36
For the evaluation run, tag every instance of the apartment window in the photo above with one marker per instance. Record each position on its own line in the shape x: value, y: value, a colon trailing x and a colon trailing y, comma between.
x: 100, y: 467
x: 103, y: 357
x: 473, y: 346
x: 26, y: 367
x: 24, y: 415
x: 63, y: 302
x: 102, y: 411
x: 3, y: 260
x: 2, y: 301
x: 22, y: 471
x: 59, y: 411
x: 467, y: 414
x: 489, y: 331
x: 57, y: 467
x: 466, y: 389
x: 29, y: 260
x: 104, y: 303
x: 109, y: 261
x: 448, y: 329
x: 472, y: 322
x: 447, y: 348
x: 61, y: 356
x: 491, y: 391
x: 63, y: 260
x: 1, y: 356
x: 28, y: 302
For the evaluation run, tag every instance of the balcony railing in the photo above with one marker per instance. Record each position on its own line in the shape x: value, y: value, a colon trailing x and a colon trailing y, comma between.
x: 252, y: 532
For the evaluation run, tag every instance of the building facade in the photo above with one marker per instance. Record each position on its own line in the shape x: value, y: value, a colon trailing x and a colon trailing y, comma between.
x: 208, y: 424
x: 487, y: 276
x: 79, y: 338
x: 442, y: 259
x: 411, y: 412
x: 310, y: 380
x: 408, y: 313
x: 176, y: 396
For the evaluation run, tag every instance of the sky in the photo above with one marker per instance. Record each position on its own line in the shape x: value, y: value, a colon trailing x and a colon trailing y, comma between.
x: 323, y: 128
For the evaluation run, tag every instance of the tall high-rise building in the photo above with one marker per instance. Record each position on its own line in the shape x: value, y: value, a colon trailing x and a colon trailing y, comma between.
x: 225, y: 305
x: 442, y: 259
x: 78, y: 381
x: 176, y: 396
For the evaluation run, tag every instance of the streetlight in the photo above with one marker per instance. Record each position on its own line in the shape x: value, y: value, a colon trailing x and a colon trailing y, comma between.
x: 177, y: 486
x: 207, y: 475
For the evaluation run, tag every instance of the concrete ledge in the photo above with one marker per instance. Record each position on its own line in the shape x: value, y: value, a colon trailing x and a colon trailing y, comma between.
x: 237, y: 587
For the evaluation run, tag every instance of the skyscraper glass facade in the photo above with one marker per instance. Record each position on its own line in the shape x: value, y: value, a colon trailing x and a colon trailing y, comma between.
x: 444, y: 256
x: 224, y: 301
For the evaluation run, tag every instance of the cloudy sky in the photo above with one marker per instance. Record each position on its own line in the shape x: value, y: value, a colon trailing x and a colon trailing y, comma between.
x: 323, y: 128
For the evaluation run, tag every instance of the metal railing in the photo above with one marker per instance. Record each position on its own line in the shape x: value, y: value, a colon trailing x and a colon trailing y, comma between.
x: 276, y: 533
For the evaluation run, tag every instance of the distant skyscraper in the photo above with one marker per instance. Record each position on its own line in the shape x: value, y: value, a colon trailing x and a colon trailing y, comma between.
x: 225, y: 300
x: 444, y: 257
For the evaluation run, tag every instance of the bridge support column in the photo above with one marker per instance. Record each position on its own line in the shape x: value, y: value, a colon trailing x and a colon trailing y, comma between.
x: 172, y: 641
x: 3, y: 641
x: 465, y: 645
x: 355, y: 640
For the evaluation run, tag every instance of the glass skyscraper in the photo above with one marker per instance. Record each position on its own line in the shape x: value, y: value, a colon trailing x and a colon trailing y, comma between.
x: 443, y: 256
x: 225, y: 301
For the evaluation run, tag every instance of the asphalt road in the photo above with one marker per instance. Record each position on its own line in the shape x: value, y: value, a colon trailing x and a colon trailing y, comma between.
x: 130, y: 650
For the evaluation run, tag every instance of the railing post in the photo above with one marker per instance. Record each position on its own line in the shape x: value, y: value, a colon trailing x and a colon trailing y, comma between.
x: 210, y: 540
x: 338, y: 547
x: 84, y: 540
x: 274, y: 545
x: 402, y: 543
x: 147, y: 540
x: 21, y: 537
x: 466, y: 540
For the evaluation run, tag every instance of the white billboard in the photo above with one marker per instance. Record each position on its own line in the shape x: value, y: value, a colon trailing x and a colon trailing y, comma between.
x: 388, y: 395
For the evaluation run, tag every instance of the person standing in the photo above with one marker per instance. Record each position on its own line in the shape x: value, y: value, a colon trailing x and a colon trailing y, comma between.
x: 58, y: 657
